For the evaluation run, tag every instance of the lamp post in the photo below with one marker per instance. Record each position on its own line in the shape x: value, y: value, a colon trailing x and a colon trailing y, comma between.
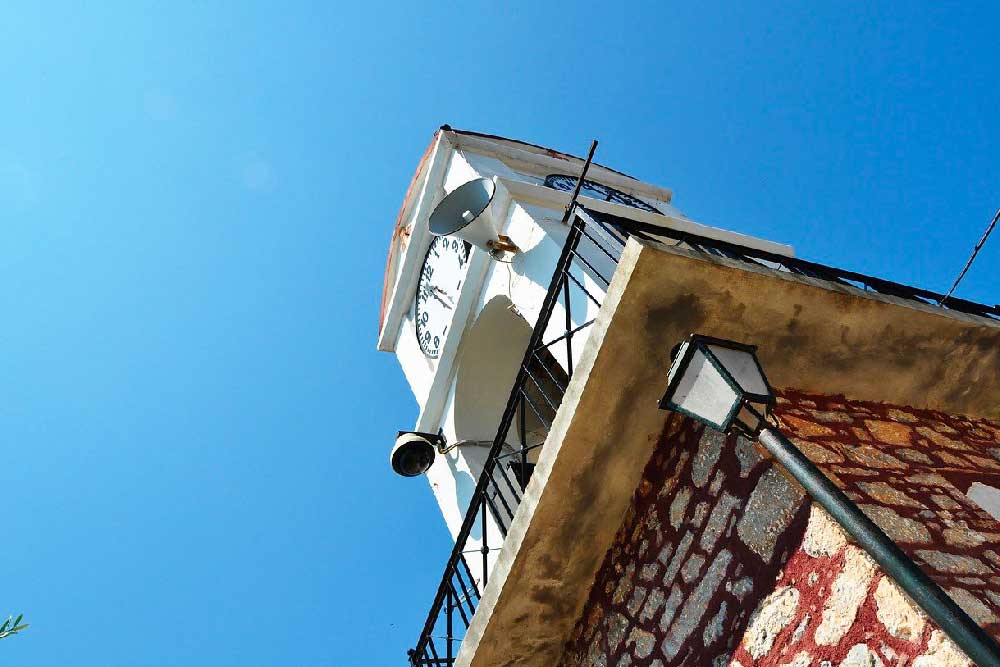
x: 721, y: 384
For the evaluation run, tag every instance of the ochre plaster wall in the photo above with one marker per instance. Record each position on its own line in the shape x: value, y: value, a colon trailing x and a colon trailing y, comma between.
x: 721, y: 560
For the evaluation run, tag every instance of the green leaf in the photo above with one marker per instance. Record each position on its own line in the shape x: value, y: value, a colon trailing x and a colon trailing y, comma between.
x: 20, y: 627
x: 5, y: 624
x: 18, y: 619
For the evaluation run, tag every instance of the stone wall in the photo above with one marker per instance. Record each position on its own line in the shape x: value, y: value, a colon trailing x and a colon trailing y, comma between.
x: 721, y: 560
x: 907, y: 469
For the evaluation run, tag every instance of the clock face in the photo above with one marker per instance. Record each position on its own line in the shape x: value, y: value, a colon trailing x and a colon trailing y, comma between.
x: 597, y: 191
x: 437, y: 291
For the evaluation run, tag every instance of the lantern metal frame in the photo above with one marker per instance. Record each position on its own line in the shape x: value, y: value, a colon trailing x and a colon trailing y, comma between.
x: 756, y: 404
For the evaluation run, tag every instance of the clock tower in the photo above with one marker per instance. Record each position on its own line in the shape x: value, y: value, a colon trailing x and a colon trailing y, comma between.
x: 459, y: 317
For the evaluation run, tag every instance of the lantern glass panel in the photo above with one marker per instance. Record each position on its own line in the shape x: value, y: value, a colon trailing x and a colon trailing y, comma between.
x: 742, y: 365
x: 703, y: 392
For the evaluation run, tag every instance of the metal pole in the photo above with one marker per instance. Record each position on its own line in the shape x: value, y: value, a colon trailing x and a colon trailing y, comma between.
x: 451, y: 607
x: 485, y: 550
x: 979, y: 646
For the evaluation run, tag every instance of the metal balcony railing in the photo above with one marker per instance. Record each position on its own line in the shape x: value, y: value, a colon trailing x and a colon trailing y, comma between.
x: 581, y: 277
x: 591, y: 252
x: 798, y: 266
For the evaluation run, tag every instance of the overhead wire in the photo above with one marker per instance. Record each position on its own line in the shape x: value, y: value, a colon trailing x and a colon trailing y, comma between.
x: 972, y: 258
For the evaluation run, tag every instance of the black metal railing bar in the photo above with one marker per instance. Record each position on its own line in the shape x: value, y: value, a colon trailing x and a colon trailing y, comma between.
x: 795, y: 265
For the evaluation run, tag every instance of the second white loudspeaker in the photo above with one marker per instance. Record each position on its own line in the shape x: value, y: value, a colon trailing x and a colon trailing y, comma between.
x: 466, y: 214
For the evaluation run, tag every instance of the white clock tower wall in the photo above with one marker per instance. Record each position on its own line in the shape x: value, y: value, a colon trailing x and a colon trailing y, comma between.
x: 418, y: 368
x: 463, y: 391
x: 484, y: 165
x: 537, y: 230
x: 541, y: 235
x: 490, y: 351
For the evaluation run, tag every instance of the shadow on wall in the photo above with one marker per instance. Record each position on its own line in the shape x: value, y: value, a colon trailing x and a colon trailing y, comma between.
x: 488, y: 362
x: 490, y: 356
x: 465, y: 486
x: 711, y: 526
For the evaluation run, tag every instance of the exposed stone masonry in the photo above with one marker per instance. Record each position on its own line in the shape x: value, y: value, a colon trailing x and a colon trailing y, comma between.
x: 722, y: 561
x: 905, y: 468
x: 700, y: 547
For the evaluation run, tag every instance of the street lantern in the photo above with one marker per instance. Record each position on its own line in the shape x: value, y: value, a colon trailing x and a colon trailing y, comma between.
x: 719, y: 383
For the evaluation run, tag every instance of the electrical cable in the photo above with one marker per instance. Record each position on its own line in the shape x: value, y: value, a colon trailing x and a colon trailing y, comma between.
x: 975, y: 251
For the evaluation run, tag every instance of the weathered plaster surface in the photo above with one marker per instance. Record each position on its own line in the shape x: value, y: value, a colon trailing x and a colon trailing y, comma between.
x: 820, y: 337
x: 721, y: 561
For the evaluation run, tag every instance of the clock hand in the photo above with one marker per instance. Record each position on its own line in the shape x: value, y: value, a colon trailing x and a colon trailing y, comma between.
x: 442, y: 301
x: 445, y: 294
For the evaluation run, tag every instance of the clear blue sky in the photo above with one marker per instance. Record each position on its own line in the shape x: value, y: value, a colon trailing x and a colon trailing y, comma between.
x: 196, y: 205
